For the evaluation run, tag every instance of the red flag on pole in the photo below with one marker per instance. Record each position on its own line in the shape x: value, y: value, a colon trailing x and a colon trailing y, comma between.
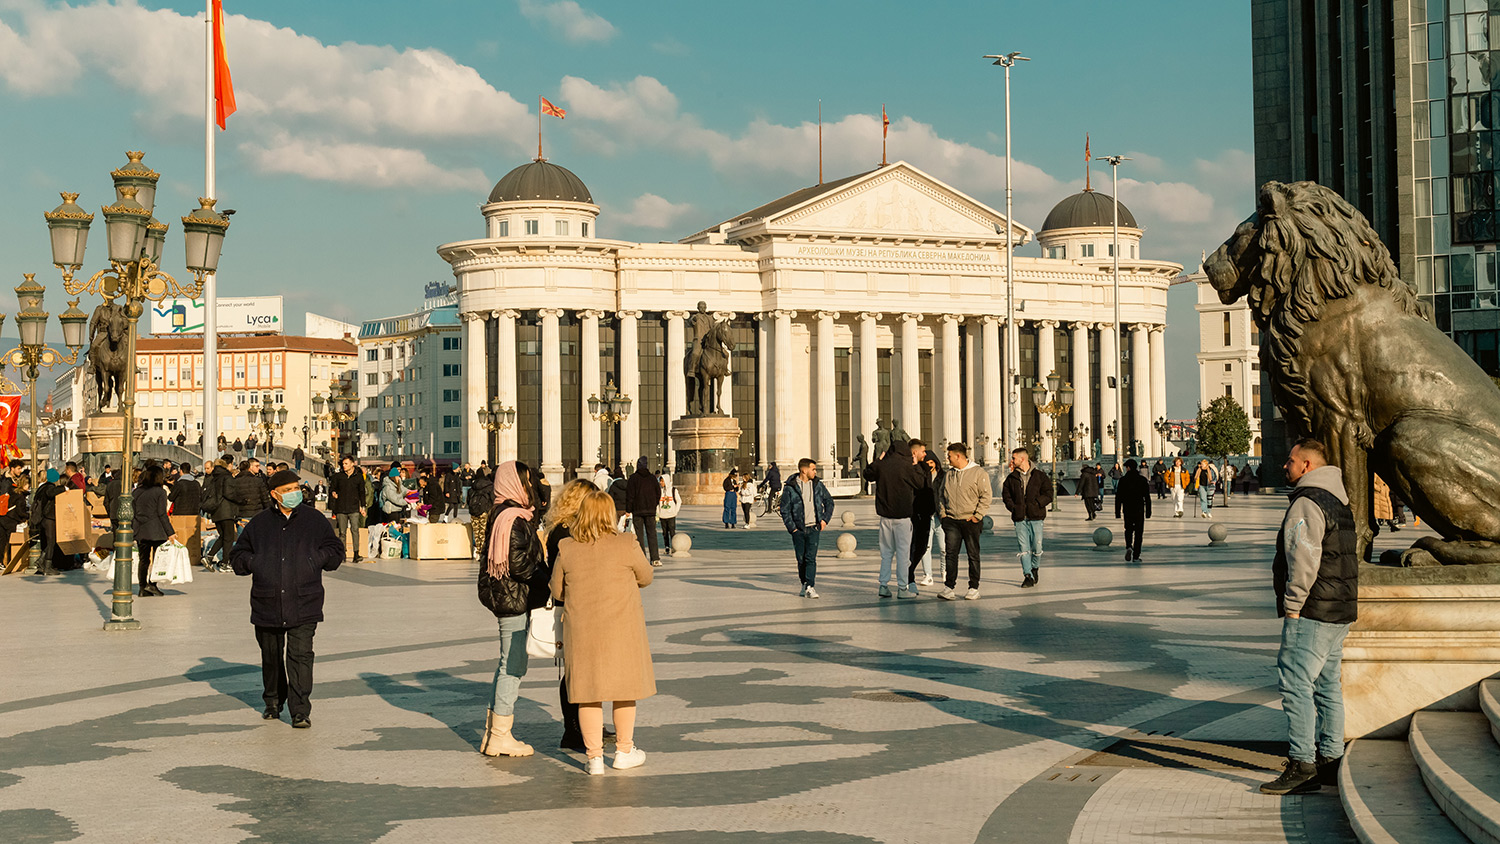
x: 1088, y: 174
x: 223, y: 84
x: 885, y: 122
x: 10, y: 415
x: 550, y: 109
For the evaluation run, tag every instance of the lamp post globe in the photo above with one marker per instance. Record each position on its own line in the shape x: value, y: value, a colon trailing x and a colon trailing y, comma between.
x: 68, y: 227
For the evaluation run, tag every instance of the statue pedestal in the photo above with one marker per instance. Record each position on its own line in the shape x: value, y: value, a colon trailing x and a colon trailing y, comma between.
x: 706, y: 447
x: 1424, y: 639
x: 101, y: 439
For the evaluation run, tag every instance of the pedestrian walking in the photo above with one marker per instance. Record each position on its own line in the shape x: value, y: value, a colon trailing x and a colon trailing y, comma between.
x: 1133, y: 504
x: 747, y: 495
x: 602, y: 478
x: 643, y: 495
x: 1178, y: 481
x: 598, y: 578
x: 453, y: 493
x: 731, y: 498
x: 557, y: 526
x: 924, y: 510
x: 1088, y: 490
x: 1159, y: 479
x: 897, y: 480
x: 515, y: 584
x: 806, y: 509
x: 186, y: 499
x: 1227, y: 479
x: 963, y: 501
x: 284, y: 550
x: 481, y: 501
x: 151, y: 524
x: 250, y: 443
x: 1026, y: 494
x: 669, y: 504
x: 1203, y: 482
x: 297, y: 455
x: 346, y: 500
x: 1316, y: 579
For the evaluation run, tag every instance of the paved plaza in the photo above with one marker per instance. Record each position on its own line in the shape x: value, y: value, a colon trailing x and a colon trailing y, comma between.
x: 1116, y: 702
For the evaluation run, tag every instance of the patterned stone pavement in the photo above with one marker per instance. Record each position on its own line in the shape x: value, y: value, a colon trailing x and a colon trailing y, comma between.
x: 1114, y: 703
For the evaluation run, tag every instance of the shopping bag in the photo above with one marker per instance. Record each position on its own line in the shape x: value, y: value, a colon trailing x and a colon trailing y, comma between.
x: 544, y: 632
x: 170, y: 564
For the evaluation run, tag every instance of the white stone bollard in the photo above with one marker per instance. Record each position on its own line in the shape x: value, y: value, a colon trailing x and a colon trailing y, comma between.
x: 682, y: 545
x: 846, y: 546
x: 847, y: 519
x: 1102, y: 537
x: 1217, y: 533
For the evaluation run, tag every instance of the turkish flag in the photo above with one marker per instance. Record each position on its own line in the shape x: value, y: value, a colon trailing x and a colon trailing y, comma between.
x: 549, y: 108
x: 10, y: 415
x: 223, y: 84
x: 885, y: 122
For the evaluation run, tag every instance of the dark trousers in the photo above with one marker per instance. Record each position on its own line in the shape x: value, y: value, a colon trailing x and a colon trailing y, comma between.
x: 571, y: 727
x: 1135, y: 526
x: 286, y: 667
x: 954, y: 532
x: 145, y: 549
x: 921, y: 542
x: 805, y: 544
x: 225, y: 541
x: 668, y: 530
x: 1092, y: 505
x: 645, y: 532
x: 746, y: 508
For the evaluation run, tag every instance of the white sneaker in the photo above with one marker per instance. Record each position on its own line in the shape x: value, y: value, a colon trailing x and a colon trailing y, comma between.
x: 885, y: 592
x: 596, y: 766
x: 634, y: 759
x: 811, y: 592
x: 971, y: 595
x: 927, y: 581
x: 947, y: 594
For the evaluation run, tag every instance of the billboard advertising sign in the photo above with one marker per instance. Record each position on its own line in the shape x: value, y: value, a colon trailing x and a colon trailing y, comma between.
x: 237, y: 315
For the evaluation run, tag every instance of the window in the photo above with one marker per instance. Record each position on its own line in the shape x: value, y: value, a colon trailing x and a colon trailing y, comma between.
x: 372, y: 354
x: 584, y: 226
x: 451, y: 369
x: 1109, y: 250
x: 505, y: 228
x: 372, y: 402
x: 389, y: 352
x: 562, y: 228
x: 372, y: 379
x: 1228, y: 367
x: 1055, y: 252
x: 390, y: 400
x: 452, y: 395
x: 452, y: 344
x: 372, y: 450
x: 400, y: 400
x: 370, y: 426
x: 1086, y: 250
x: 1229, y: 390
x: 533, y: 227
x: 451, y: 422
x: 1228, y: 331
x: 390, y: 425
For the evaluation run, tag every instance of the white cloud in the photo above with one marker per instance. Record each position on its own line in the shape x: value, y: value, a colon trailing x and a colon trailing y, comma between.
x: 366, y: 165
x: 650, y: 211
x: 568, y: 19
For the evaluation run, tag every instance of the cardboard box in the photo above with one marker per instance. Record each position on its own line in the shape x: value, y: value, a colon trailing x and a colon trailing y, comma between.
x: 81, y: 545
x: 95, y: 503
x: 189, y: 534
x: 440, y: 542
x: 73, y: 521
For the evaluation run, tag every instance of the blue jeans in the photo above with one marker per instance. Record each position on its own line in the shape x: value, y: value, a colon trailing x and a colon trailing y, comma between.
x: 805, y: 544
x: 895, y: 545
x: 1206, y: 499
x: 1307, y: 669
x: 1029, y: 537
x: 512, y: 666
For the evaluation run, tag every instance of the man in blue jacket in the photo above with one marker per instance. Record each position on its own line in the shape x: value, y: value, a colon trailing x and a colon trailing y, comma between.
x: 286, y: 548
x: 805, y: 523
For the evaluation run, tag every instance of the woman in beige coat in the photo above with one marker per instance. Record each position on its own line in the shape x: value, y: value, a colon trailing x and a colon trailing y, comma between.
x: 598, y: 577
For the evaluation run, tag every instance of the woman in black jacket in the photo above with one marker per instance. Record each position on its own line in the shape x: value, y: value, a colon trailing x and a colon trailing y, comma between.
x: 152, y: 527
x: 481, y: 502
x: 559, y: 526
x: 513, y: 582
x: 16, y: 514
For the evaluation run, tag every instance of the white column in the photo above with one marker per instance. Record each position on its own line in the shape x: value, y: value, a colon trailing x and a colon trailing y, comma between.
x: 781, y: 386
x: 676, y: 380
x: 994, y: 390
x: 975, y: 396
x: 551, y: 392
x: 869, y: 380
x: 950, y: 427
x: 911, y: 378
x: 589, y: 384
x: 505, y: 381
x: 1159, y: 384
x: 1082, y: 387
x: 1109, y: 410
x: 630, y: 385
x: 1046, y: 364
x: 1140, y: 383
x: 826, y: 392
x: 476, y: 445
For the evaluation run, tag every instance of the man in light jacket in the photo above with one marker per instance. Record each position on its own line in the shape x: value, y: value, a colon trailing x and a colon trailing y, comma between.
x: 806, y: 508
x: 963, y: 500
x: 1316, y: 578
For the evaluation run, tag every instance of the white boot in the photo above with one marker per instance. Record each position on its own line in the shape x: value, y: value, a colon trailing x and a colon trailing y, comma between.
x: 497, y: 738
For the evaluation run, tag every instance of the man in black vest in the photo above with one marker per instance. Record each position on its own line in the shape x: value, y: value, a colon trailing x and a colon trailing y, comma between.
x: 1316, y: 576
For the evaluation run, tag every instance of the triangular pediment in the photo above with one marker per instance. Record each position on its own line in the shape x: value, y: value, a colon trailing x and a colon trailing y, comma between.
x: 895, y: 200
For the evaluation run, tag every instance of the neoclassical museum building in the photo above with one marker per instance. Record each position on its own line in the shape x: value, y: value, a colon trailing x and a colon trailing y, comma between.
x: 877, y: 296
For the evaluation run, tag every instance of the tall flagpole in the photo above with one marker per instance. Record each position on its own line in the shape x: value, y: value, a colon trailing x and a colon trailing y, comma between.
x: 820, y: 142
x: 210, y: 282
x: 538, y: 127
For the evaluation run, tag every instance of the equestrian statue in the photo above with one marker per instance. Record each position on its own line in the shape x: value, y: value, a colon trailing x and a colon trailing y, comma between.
x: 107, y: 361
x: 707, y: 363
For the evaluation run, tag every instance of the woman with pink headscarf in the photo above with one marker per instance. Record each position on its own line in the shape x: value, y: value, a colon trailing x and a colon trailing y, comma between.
x: 516, y: 583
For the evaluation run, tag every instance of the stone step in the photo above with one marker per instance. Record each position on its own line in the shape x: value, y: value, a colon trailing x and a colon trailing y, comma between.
x: 1460, y: 763
x: 1489, y: 704
x: 1385, y: 799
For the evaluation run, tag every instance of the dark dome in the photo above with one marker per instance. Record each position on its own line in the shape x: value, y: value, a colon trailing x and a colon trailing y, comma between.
x: 540, y: 180
x: 1087, y: 209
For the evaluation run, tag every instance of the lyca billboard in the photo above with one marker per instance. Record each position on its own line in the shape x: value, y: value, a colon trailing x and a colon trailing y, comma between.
x: 237, y: 315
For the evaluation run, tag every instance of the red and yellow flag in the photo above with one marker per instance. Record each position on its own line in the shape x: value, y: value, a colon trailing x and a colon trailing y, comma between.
x: 550, y: 109
x: 223, y: 84
x: 1086, y: 157
x: 885, y: 122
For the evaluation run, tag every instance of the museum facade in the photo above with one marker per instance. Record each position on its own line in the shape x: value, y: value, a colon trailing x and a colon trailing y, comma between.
x: 877, y: 296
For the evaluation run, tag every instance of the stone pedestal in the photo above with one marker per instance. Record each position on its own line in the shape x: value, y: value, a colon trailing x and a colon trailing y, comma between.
x: 706, y: 448
x: 101, y: 438
x: 1424, y: 639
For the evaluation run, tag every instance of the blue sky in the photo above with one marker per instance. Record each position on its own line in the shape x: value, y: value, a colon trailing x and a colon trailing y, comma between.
x: 369, y: 132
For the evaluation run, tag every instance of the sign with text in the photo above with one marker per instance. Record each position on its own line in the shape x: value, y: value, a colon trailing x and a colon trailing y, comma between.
x: 237, y: 315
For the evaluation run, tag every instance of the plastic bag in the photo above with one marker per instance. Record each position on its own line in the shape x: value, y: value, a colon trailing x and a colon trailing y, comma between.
x: 170, y: 564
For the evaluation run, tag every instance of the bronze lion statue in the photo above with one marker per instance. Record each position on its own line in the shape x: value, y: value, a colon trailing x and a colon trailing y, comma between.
x: 1355, y: 361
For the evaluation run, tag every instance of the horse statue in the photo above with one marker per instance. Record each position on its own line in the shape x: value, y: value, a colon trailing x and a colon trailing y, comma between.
x: 107, y: 361
x: 707, y: 364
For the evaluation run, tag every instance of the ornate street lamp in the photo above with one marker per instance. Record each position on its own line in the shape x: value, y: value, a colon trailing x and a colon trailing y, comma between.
x: 496, y: 418
x: 1054, y: 406
x: 135, y: 244
x: 612, y: 409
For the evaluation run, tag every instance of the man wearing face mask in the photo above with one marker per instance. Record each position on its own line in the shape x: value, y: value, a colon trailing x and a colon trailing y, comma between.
x: 286, y: 548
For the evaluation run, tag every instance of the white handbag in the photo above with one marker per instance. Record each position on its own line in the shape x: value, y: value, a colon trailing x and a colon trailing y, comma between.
x: 544, y: 632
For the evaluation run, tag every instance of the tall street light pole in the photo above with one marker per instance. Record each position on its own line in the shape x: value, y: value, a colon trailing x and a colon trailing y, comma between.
x: 1114, y: 167
x: 1012, y: 336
